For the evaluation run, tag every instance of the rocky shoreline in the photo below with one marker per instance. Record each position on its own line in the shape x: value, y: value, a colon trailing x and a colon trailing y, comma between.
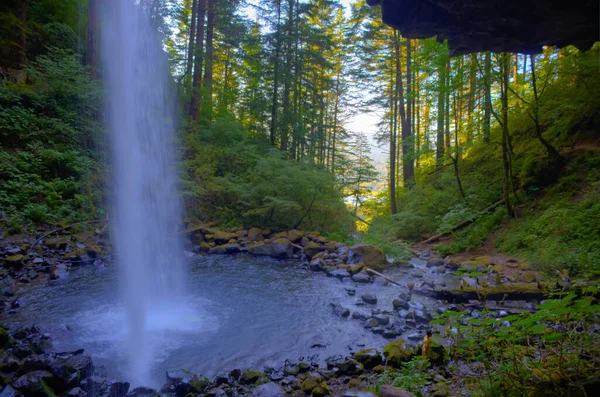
x: 29, y: 367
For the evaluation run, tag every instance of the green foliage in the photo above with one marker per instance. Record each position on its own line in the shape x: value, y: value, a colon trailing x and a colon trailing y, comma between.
x: 412, y: 376
x: 551, y: 351
x: 233, y: 177
x: 46, y: 171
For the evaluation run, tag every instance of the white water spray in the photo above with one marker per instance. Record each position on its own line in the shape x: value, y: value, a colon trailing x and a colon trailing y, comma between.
x: 146, y: 207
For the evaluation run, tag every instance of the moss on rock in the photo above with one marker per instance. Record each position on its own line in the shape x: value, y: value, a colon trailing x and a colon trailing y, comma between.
x: 398, y: 352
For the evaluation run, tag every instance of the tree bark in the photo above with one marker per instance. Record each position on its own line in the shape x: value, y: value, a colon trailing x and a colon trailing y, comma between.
x: 408, y: 165
x: 190, y: 55
x: 487, y: 109
x: 441, y: 116
x: 208, y: 72
x: 195, y: 102
x: 505, y: 139
x: 275, y: 76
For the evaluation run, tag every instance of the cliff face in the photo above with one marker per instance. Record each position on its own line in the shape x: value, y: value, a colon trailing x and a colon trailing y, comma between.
x: 496, y: 25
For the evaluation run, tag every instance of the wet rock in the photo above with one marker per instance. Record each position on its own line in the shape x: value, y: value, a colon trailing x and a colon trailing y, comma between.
x: 435, y: 262
x: 282, y: 248
x: 77, y: 392
x: 250, y: 377
x: 399, y: 304
x: 176, y: 376
x: 339, y: 310
x: 218, y: 250
x: 14, y: 261
x: 34, y: 383
x: 311, y: 382
x: 143, y: 392
x: 268, y: 390
x: 391, y: 391
x: 317, y: 265
x: 255, y: 234
x: 369, y: 358
x: 117, y: 389
x: 355, y: 269
x: 369, y: 298
x: 232, y: 248
x: 350, y: 368
x: 295, y: 236
x: 351, y: 291
x: 338, y: 273
x: 221, y: 237
x: 82, y: 364
x: 397, y: 352
x: 380, y: 281
x: 321, y: 390
x: 382, y: 319
x: 361, y: 278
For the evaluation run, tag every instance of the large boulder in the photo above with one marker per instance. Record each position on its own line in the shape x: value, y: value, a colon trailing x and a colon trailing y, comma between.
x: 369, y: 255
x: 260, y: 249
x: 255, y: 234
x: 282, y: 248
x: 295, y: 236
x: 370, y: 358
x: 35, y: 383
x: 82, y: 364
x: 391, y: 391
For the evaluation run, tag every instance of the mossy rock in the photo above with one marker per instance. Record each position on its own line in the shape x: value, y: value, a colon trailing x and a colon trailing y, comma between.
x: 485, y: 260
x: 321, y: 390
x: 312, y: 248
x: 474, y: 266
x: 398, y: 352
x: 498, y: 268
x: 14, y: 261
x: 438, y: 355
x: 368, y: 357
x: 356, y: 268
x: 379, y: 369
x: 251, y: 377
x: 311, y: 383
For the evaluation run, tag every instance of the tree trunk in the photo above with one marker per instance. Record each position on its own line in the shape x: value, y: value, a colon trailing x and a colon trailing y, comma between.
x: 91, y: 54
x: 198, y: 61
x: 552, y: 152
x: 441, y: 116
x: 505, y: 149
x: 208, y: 72
x: 471, y: 103
x: 408, y: 165
x: 275, y: 76
x: 487, y: 109
x: 394, y: 124
x: 191, y: 48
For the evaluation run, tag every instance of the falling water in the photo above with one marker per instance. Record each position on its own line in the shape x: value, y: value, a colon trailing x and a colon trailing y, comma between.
x: 146, y: 209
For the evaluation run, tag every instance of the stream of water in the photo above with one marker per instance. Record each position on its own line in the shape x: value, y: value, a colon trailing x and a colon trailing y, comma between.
x: 145, y: 211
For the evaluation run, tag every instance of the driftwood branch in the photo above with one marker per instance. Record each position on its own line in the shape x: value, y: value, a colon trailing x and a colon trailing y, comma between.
x: 375, y: 272
x: 460, y: 225
x: 67, y: 227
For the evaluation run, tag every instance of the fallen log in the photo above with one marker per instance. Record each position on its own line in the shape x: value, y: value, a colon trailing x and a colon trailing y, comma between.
x: 67, y: 227
x: 460, y: 225
x: 525, y: 292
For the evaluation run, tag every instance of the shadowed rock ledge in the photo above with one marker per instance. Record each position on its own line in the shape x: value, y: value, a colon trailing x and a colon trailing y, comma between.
x: 522, y: 26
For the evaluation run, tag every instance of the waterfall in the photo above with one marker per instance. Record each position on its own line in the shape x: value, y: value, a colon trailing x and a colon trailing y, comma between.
x: 145, y: 208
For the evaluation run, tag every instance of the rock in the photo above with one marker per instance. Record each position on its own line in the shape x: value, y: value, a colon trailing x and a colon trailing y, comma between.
x: 14, y: 261
x: 380, y: 281
x: 369, y: 298
x: 282, y: 248
x: 356, y: 393
x: 78, y: 392
x: 83, y: 364
x: 250, y: 377
x: 295, y: 236
x: 255, y: 234
x: 317, y: 265
x: 218, y: 250
x: 232, y: 248
x: 398, y: 352
x: 117, y: 389
x: 350, y: 291
x: 367, y: 254
x: 339, y: 310
x: 369, y: 358
x: 350, y: 368
x: 391, y: 391
x: 361, y: 278
x: 435, y: 262
x: 9, y: 392
x: 35, y: 383
x: 268, y: 390
x: 382, y: 319
x: 310, y: 383
x: 221, y: 237
x: 331, y: 246
x: 339, y: 273
x: 4, y: 337
x: 260, y: 249
x: 399, y: 304
x: 311, y: 249
x: 143, y: 392
x: 356, y: 268
x: 321, y: 390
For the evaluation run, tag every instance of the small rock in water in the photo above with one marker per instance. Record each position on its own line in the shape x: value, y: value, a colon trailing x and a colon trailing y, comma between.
x: 361, y: 278
x: 370, y: 299
x: 268, y: 390
x: 350, y: 291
